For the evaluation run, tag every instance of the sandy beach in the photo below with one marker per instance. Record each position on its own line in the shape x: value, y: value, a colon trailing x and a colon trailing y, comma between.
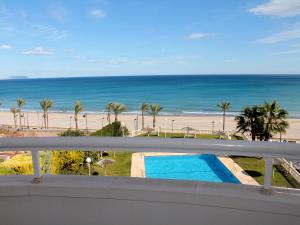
x: 94, y: 122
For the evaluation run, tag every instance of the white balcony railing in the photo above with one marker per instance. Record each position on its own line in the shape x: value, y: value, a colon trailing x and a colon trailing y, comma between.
x: 267, y: 150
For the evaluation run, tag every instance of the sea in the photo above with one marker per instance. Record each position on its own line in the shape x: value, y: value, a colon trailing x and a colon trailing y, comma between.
x: 177, y: 94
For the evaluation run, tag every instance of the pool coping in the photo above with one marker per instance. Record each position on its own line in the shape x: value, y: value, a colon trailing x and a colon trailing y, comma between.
x: 138, y: 166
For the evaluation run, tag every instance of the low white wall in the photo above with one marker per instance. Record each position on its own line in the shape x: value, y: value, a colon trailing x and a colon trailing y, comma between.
x: 62, y: 200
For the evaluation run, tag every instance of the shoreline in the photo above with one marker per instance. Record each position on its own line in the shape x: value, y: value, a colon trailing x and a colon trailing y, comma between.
x: 65, y: 120
x: 135, y: 113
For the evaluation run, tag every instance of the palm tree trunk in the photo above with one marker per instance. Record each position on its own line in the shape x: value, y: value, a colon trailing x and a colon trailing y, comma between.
x: 47, y: 121
x: 76, y: 125
x: 154, y: 120
x: 267, y: 133
x: 20, y: 119
x: 267, y: 136
x: 253, y: 136
x: 142, y: 120
x: 223, y: 121
x: 15, y: 120
x: 116, y: 117
x: 108, y: 117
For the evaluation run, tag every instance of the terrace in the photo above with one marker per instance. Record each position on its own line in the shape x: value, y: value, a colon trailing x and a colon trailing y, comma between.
x: 52, y: 200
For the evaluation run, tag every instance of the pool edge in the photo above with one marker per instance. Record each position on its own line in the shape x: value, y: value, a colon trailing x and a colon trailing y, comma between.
x: 138, y: 166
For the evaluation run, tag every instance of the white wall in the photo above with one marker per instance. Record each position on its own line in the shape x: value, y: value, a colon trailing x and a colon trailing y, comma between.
x: 103, y: 200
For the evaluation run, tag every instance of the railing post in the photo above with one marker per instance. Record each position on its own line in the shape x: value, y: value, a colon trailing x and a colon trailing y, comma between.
x: 36, y: 167
x: 268, y: 175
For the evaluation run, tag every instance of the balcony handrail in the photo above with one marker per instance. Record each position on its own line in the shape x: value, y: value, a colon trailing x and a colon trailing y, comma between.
x: 134, y: 144
x: 267, y: 150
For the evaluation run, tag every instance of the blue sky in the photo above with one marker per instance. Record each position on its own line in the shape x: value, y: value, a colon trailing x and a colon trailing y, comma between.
x: 57, y: 38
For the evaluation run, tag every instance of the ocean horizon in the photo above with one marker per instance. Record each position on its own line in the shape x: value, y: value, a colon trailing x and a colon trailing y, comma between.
x: 178, y: 94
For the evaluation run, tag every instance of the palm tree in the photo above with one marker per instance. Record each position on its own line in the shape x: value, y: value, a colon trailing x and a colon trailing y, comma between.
x: 274, y: 119
x: 224, y: 106
x: 250, y: 120
x: 15, y: 112
x: 154, y: 109
x: 118, y: 108
x: 46, y: 104
x: 144, y: 108
x: 20, y: 102
x: 109, y: 109
x: 77, y: 109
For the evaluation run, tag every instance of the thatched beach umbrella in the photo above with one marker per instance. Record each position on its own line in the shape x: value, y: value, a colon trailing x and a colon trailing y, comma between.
x: 148, y: 130
x: 104, y: 162
x: 187, y: 130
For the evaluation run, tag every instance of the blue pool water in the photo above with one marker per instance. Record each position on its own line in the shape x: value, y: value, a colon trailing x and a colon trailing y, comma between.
x: 188, y: 167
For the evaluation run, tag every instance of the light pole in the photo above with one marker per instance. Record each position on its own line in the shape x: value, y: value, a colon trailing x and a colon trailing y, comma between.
x: 134, y: 124
x: 85, y: 115
x: 212, y: 127
x: 102, y: 123
x: 173, y: 126
x: 166, y: 119
x: 88, y: 161
x: 38, y: 118
x: 102, y: 128
x: 27, y: 121
x: 70, y: 122
x: 123, y: 128
x: 24, y: 122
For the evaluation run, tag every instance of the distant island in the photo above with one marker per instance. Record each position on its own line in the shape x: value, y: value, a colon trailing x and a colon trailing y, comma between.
x: 18, y: 77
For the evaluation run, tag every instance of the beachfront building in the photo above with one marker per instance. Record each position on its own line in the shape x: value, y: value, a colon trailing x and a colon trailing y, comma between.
x: 76, y: 200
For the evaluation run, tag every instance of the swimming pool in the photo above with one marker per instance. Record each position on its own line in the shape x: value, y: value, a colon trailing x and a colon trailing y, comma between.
x: 188, y: 167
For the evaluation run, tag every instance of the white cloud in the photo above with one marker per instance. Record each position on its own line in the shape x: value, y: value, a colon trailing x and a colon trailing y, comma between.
x: 151, y: 62
x: 229, y: 60
x: 58, y: 12
x: 279, y: 8
x: 98, y: 13
x: 195, y: 36
x: 48, y: 32
x: 5, y: 46
x: 282, y: 36
x: 296, y: 45
x: 38, y: 51
x: 288, y: 52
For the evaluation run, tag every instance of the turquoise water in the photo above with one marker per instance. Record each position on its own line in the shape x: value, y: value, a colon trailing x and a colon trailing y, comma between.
x: 188, y: 167
x: 188, y: 95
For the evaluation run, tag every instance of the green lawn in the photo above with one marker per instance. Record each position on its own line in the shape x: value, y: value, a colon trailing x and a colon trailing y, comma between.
x: 6, y: 171
x: 121, y: 167
x: 255, y: 168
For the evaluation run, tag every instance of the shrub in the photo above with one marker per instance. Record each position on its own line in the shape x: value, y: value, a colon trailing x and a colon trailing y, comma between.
x: 94, y: 155
x: 72, y: 133
x: 67, y: 162
x: 20, y: 164
x: 114, y: 129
